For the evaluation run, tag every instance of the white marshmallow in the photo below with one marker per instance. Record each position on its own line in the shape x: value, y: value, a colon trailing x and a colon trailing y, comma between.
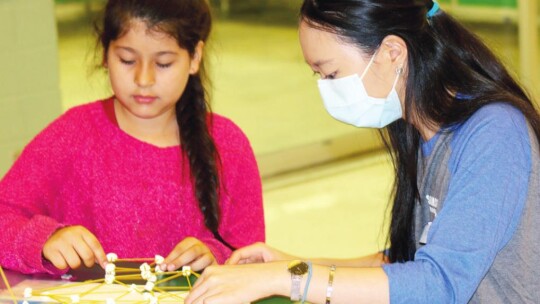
x: 110, y: 267
x: 112, y: 257
x: 159, y: 259
x: 109, y: 279
x: 149, y: 286
x: 75, y: 298
x: 186, y: 271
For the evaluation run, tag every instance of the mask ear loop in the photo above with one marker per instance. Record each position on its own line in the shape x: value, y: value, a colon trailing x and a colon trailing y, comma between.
x: 369, y: 65
x: 399, y: 71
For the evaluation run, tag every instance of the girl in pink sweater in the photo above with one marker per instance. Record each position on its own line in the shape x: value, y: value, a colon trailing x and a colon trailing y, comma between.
x: 148, y: 171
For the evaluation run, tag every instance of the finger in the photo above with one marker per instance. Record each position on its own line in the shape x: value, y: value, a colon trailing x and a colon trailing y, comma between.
x: 236, y: 256
x: 214, y: 299
x: 216, y: 295
x: 208, y: 272
x: 178, y: 250
x: 244, y: 261
x: 95, y: 246
x: 85, y: 253
x: 196, y: 295
x: 198, y: 282
x: 188, y: 256
x: 252, y: 253
x: 57, y: 259
x: 171, y: 257
x: 203, y: 261
x: 72, y: 258
x: 250, y: 260
x: 184, y: 245
x: 196, y: 291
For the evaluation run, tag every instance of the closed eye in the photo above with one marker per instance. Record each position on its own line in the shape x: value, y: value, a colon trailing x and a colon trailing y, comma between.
x: 164, y: 65
x: 127, y: 62
x: 331, y: 76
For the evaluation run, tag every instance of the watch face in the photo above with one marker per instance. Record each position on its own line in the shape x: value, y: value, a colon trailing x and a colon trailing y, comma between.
x: 298, y: 267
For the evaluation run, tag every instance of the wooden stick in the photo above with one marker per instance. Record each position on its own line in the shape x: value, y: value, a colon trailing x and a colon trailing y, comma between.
x: 134, y: 260
x: 125, y: 273
x: 4, y: 278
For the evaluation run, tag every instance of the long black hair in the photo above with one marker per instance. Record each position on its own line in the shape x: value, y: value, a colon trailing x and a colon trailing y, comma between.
x: 189, y: 22
x: 443, y: 58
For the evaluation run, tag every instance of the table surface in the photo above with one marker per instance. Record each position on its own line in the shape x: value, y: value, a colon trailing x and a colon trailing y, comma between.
x: 19, y: 282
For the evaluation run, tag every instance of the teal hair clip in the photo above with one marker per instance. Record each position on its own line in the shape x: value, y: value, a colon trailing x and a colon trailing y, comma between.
x: 434, y: 9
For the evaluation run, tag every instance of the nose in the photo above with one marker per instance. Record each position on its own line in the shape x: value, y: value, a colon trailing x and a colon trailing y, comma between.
x: 145, y: 75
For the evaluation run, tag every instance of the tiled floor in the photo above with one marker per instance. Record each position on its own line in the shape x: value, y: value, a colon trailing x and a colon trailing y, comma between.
x: 261, y: 82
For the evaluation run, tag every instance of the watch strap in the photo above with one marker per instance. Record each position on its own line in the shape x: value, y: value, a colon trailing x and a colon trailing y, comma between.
x: 296, y: 281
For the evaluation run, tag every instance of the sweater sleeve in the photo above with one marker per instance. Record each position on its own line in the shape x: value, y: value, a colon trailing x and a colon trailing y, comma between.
x: 27, y: 194
x: 242, y: 216
x: 486, y: 196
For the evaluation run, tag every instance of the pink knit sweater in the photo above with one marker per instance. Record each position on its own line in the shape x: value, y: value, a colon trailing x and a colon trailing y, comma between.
x: 135, y: 197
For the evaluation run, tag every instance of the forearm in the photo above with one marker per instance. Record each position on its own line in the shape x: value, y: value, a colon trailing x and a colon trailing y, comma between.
x: 22, y: 241
x: 373, y: 260
x: 249, y: 282
x: 350, y: 285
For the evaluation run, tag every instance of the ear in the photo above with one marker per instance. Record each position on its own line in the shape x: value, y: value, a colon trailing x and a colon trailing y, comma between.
x: 197, y: 58
x: 394, y: 50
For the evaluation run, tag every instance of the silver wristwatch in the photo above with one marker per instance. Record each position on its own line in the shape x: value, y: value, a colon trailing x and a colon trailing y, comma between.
x: 297, y: 269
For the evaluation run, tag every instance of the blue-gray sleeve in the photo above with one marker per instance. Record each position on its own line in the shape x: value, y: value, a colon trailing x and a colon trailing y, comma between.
x: 490, y: 166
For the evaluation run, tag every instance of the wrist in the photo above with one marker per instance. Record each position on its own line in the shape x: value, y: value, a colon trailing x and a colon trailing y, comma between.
x: 282, y: 284
x: 299, y: 272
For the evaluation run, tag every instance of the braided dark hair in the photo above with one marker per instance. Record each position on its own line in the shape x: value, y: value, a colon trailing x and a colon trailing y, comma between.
x: 189, y: 22
x: 443, y: 57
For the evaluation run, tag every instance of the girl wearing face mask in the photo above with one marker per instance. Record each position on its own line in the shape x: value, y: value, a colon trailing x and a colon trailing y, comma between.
x: 463, y: 135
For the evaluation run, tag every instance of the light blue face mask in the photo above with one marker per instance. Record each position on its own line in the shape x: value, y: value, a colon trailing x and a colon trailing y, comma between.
x: 347, y: 100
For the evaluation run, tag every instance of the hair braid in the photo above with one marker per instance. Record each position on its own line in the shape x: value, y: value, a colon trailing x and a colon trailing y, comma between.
x: 199, y: 147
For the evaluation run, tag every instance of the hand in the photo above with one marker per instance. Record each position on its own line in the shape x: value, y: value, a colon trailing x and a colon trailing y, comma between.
x: 258, y: 253
x: 240, y: 283
x: 189, y: 252
x: 73, y: 246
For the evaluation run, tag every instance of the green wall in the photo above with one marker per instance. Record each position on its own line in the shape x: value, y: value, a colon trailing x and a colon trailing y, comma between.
x: 30, y: 95
x: 494, y: 3
x: 497, y: 3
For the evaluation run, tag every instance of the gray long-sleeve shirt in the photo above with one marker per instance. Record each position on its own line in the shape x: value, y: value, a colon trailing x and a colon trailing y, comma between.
x: 477, y: 226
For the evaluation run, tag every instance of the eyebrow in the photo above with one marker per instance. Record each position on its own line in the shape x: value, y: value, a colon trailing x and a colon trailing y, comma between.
x: 126, y: 48
x: 320, y: 63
